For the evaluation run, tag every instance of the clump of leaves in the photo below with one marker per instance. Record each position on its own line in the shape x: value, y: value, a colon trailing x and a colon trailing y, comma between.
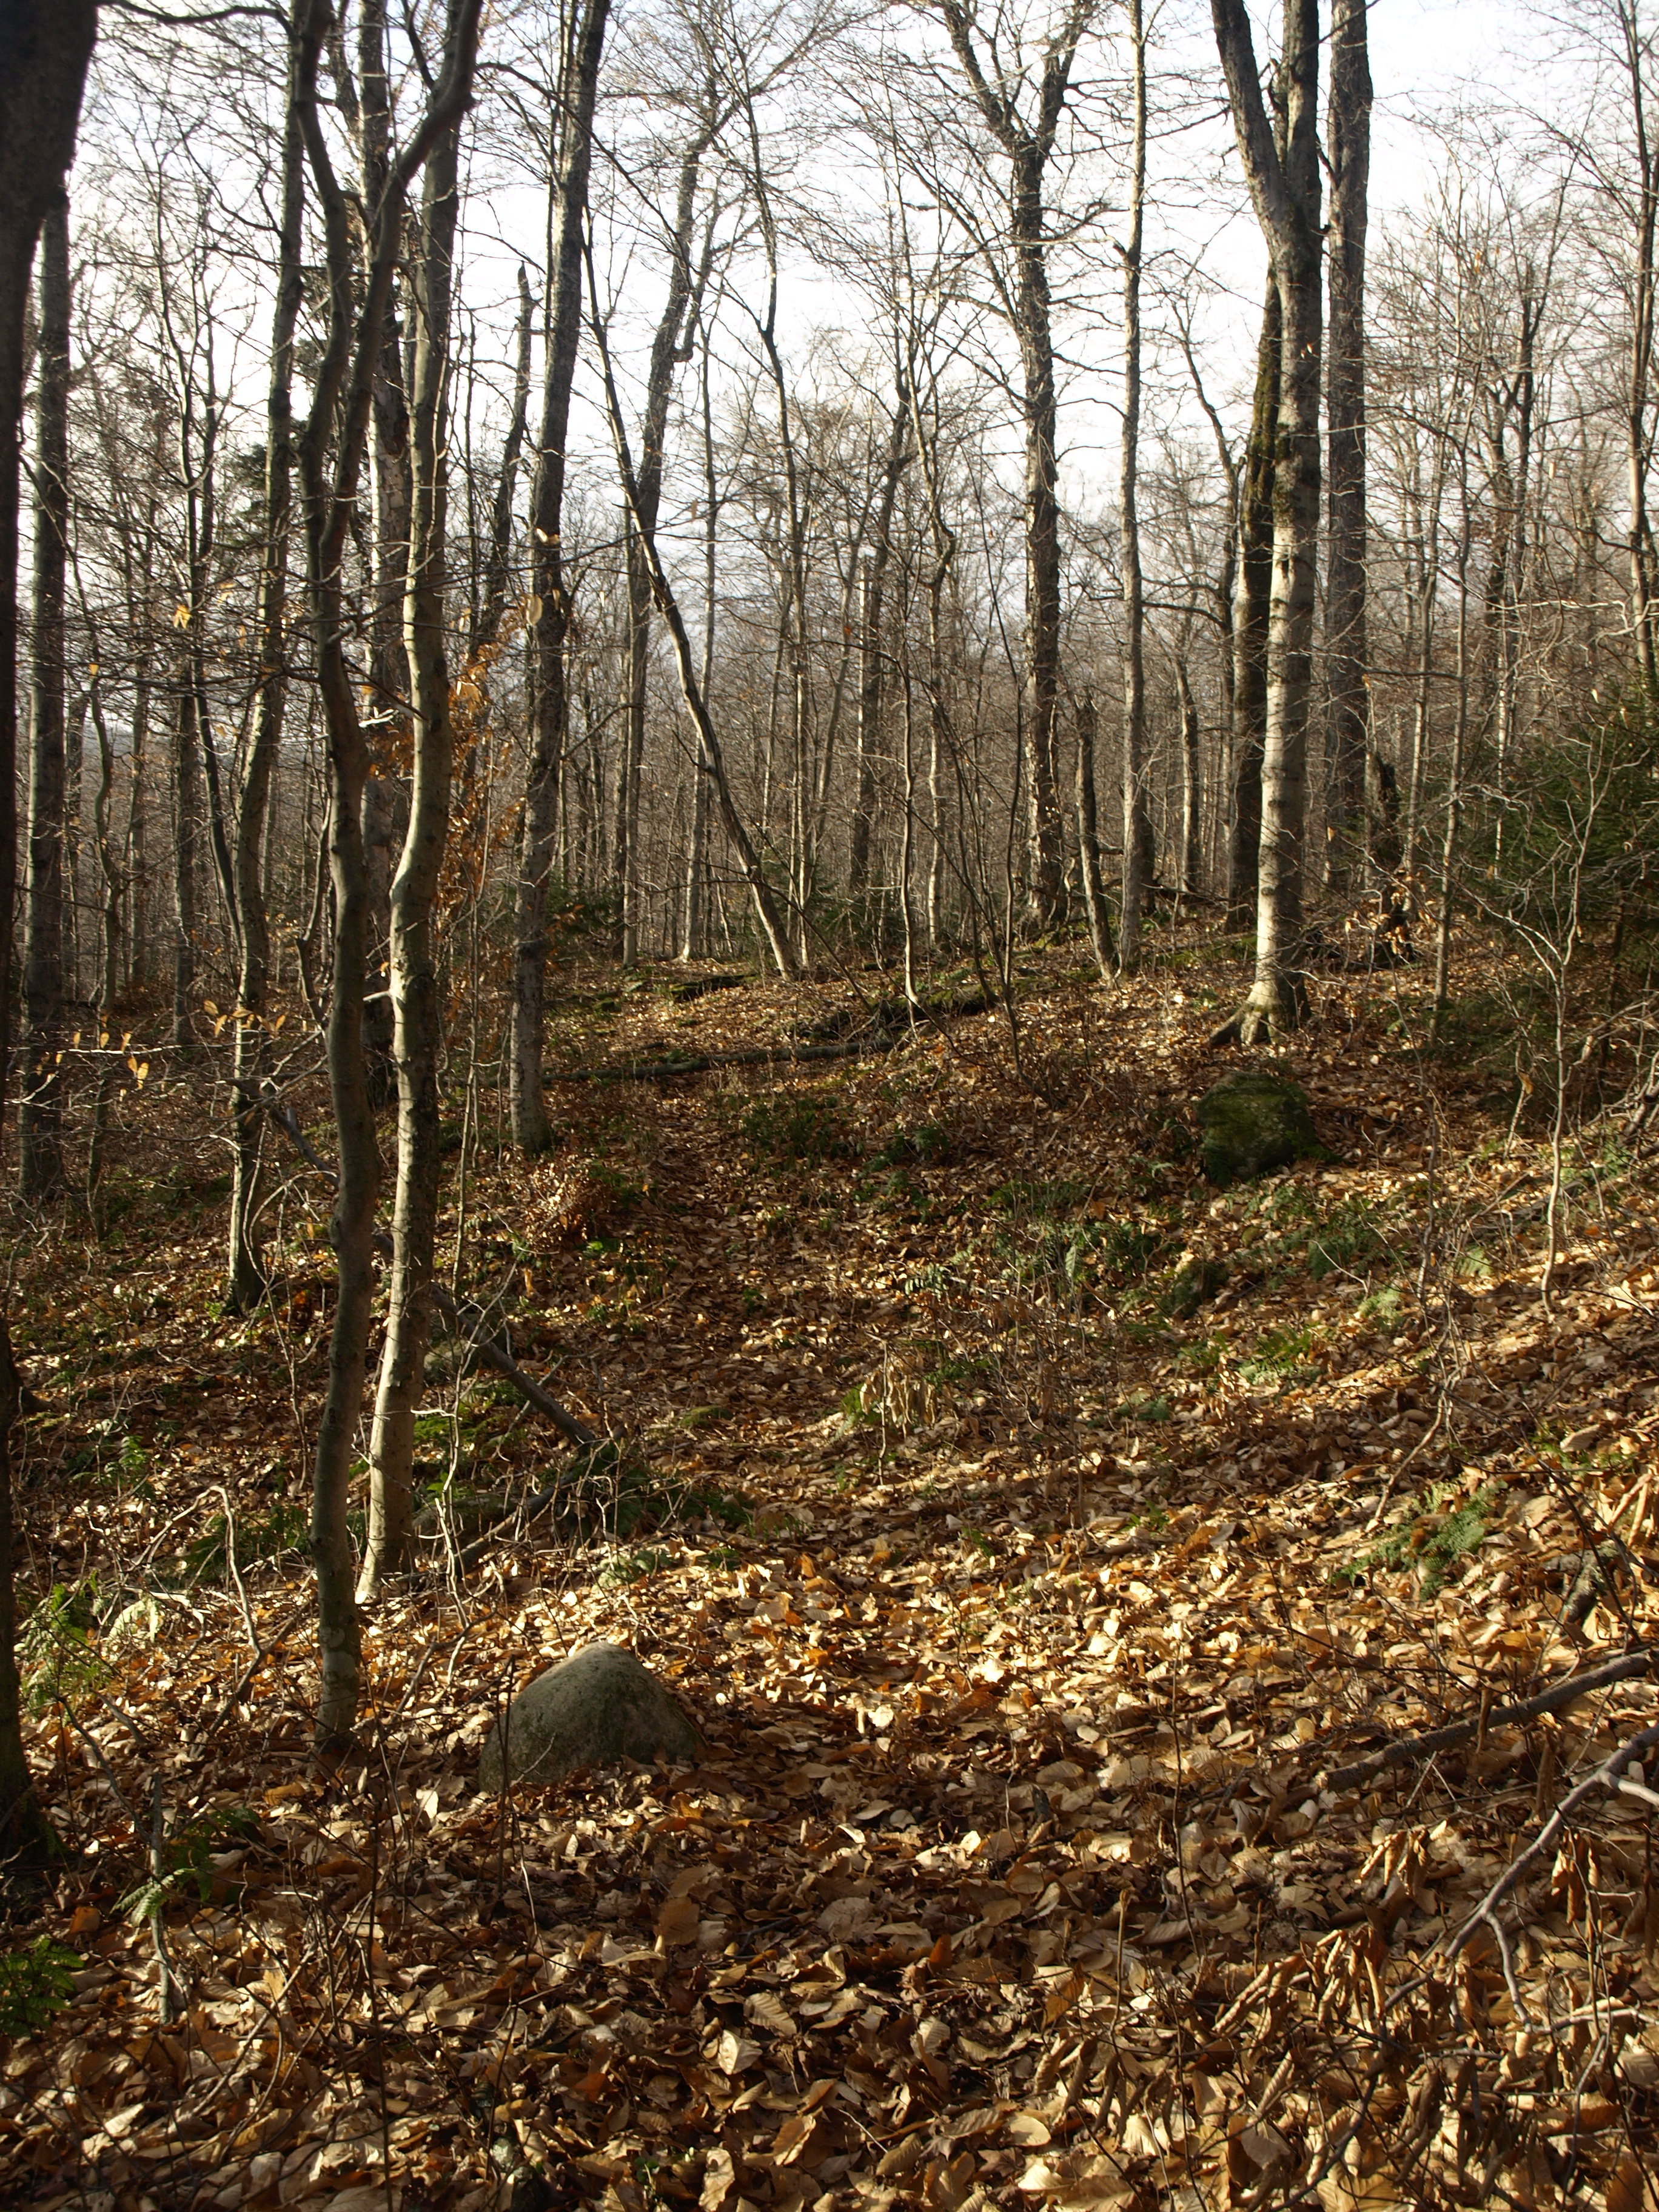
x: 1346, y: 1237
x: 1382, y: 1306
x: 1143, y: 1409
x: 632, y: 1567
x: 34, y: 1985
x: 610, y: 1491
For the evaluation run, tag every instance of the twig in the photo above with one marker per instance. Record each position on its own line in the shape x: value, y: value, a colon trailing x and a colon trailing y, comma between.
x: 1607, y: 1775
x: 1627, y: 1669
x: 261, y: 1653
x: 165, y: 1982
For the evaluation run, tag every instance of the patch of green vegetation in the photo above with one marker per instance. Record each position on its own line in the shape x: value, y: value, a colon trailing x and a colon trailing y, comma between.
x: 723, y: 1557
x: 1142, y: 1409
x: 1433, y: 1541
x: 187, y: 1860
x: 1280, y: 1356
x: 1027, y: 1200
x: 1347, y: 1237
x: 57, y: 1659
x: 632, y: 1567
x: 1383, y: 1306
x: 796, y: 1129
x: 611, y: 1491
x: 34, y: 1985
x: 928, y: 1145
x: 259, y: 1536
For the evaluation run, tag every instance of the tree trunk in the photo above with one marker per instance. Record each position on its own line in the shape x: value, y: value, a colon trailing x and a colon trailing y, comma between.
x: 1285, y: 190
x: 45, y: 47
x: 494, y: 604
x: 415, y: 993
x: 1255, y: 589
x: 330, y: 453
x: 1348, y: 138
x: 872, y: 589
x: 1191, y: 776
x: 184, y: 765
x: 41, y: 1116
x: 245, y: 1283
x: 1027, y: 146
x: 697, y: 868
x: 1041, y: 549
x: 1137, y: 819
x: 1088, y: 839
x: 572, y: 155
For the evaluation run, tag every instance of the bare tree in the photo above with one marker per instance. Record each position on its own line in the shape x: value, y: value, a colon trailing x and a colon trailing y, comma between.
x: 1285, y: 190
x: 40, y: 1113
x: 332, y: 449
x: 44, y: 47
x: 571, y: 160
x: 999, y: 80
x: 1349, y: 145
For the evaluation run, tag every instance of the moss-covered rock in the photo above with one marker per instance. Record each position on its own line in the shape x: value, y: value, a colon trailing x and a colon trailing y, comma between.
x: 1194, y: 1283
x: 1253, y: 1123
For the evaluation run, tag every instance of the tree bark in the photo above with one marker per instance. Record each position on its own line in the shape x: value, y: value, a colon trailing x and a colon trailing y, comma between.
x: 1348, y: 140
x: 44, y: 47
x: 332, y: 450
x: 245, y: 1273
x: 1285, y: 190
x: 1088, y: 839
x: 1137, y: 817
x: 40, y: 1114
x: 415, y: 994
x: 1254, y: 589
x: 572, y: 155
x: 1191, y: 776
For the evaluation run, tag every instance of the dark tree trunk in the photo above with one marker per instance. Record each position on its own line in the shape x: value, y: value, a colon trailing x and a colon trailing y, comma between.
x: 41, y: 1116
x: 415, y: 993
x: 44, y: 47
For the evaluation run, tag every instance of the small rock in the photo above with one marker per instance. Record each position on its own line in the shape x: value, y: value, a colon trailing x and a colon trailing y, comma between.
x: 1252, y: 1122
x: 599, y: 1706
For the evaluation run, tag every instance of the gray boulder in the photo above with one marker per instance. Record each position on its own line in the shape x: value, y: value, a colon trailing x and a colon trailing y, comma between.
x: 1253, y: 1123
x: 599, y: 1706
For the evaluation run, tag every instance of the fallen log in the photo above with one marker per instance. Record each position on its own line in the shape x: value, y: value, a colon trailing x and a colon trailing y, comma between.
x: 879, y: 1039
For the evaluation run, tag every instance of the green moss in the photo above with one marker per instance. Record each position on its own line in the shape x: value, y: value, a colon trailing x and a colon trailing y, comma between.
x: 1253, y: 1123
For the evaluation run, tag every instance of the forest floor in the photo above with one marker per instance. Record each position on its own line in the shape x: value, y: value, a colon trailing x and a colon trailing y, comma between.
x: 1034, y: 1630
